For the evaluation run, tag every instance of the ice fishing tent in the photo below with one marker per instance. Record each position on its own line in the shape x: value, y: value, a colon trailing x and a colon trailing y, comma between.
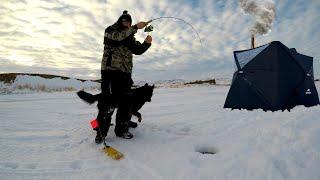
x: 272, y: 77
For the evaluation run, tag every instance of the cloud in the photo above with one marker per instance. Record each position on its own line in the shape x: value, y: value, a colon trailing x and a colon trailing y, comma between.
x: 66, y: 37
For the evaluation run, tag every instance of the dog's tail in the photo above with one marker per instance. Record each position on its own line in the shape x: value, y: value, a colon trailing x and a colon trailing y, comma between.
x: 87, y: 97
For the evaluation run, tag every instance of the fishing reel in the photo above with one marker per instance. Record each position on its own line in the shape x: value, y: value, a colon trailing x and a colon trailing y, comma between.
x: 148, y: 29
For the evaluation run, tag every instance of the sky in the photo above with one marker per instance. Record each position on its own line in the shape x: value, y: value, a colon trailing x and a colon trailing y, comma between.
x: 63, y: 37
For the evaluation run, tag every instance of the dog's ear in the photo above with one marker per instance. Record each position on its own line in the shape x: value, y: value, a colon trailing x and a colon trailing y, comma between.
x: 153, y: 86
x: 146, y: 84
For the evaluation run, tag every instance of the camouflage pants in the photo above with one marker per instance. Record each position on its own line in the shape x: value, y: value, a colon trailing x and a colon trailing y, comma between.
x: 118, y: 85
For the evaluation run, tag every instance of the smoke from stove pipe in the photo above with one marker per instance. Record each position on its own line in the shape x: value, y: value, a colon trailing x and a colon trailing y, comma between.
x: 263, y: 12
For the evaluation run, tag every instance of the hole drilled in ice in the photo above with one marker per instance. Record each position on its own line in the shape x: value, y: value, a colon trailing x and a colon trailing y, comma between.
x: 206, y: 150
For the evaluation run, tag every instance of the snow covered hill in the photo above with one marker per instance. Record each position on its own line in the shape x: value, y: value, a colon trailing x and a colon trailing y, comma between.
x: 30, y: 84
x: 22, y: 83
x: 48, y: 136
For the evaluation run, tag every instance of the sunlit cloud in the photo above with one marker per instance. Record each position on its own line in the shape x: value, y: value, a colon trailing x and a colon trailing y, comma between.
x: 21, y: 60
x: 66, y: 37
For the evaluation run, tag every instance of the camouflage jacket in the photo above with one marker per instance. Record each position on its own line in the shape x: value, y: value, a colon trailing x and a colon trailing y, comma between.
x: 119, y: 45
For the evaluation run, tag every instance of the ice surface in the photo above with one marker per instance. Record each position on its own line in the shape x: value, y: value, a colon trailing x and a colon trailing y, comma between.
x: 48, y: 136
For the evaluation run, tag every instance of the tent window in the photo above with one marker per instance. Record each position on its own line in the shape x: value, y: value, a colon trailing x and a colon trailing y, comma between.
x: 246, y: 56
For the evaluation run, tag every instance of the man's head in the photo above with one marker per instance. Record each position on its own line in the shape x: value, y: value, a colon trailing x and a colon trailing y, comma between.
x: 125, y: 20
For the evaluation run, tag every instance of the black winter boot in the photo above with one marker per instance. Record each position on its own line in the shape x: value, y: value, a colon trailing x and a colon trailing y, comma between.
x: 99, y: 139
x: 133, y: 124
x: 125, y: 135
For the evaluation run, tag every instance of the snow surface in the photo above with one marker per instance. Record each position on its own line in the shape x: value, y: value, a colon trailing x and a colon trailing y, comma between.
x: 48, y: 136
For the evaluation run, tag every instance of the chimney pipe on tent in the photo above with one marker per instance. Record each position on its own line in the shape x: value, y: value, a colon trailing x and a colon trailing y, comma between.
x: 252, y: 42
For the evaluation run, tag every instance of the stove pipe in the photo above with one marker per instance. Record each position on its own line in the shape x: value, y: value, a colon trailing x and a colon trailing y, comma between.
x: 252, y: 42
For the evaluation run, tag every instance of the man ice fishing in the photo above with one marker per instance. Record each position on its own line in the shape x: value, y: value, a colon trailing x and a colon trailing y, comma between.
x: 116, y: 71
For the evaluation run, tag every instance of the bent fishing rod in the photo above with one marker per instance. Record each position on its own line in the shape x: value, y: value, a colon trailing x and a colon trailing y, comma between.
x: 150, y: 27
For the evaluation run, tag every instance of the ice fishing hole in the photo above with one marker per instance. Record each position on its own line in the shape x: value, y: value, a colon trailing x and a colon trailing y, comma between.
x: 207, y: 150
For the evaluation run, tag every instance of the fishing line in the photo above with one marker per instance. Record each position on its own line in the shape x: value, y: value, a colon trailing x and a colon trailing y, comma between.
x: 171, y: 17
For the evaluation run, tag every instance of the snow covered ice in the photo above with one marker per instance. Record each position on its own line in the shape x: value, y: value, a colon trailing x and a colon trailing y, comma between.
x: 48, y: 136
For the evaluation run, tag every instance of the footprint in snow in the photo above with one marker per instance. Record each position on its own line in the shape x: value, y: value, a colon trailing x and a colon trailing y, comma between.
x: 11, y: 165
x: 76, y: 165
x: 31, y: 166
x: 206, y: 149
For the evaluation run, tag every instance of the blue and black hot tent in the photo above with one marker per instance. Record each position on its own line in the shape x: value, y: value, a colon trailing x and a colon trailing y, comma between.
x: 272, y: 77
